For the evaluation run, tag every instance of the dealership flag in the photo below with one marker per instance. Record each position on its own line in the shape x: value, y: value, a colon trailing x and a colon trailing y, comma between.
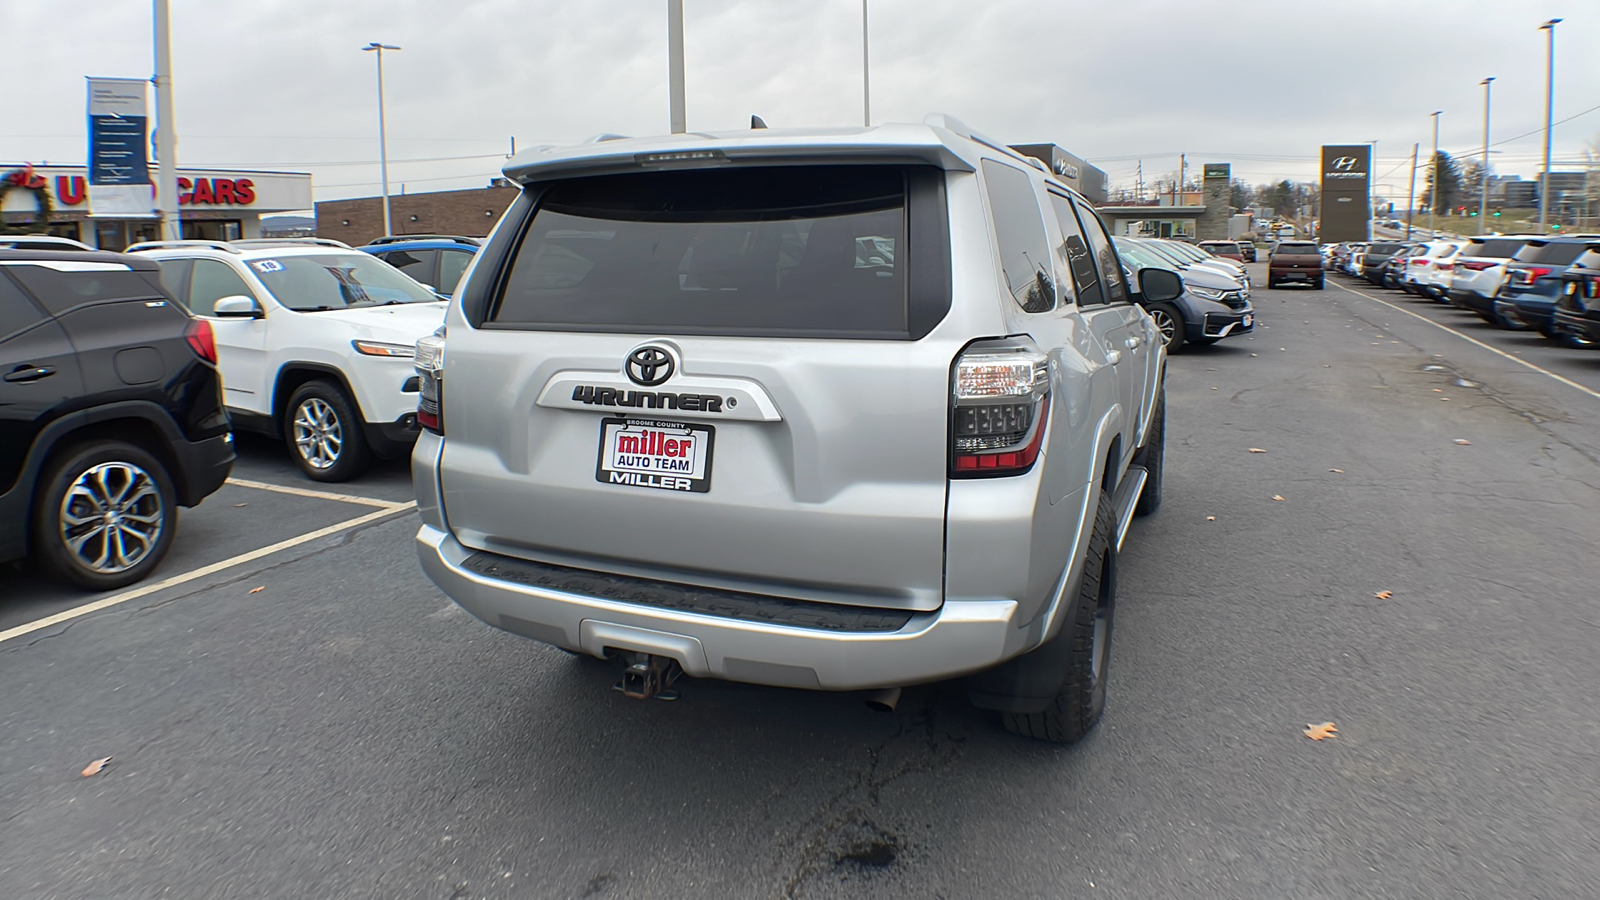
x: 119, y: 164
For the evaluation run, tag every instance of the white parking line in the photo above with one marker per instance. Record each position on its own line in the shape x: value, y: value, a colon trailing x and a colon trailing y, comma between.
x: 1471, y: 340
x: 172, y: 581
x: 320, y: 495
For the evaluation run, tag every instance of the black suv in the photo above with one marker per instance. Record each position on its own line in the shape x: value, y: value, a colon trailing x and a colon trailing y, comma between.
x: 111, y: 414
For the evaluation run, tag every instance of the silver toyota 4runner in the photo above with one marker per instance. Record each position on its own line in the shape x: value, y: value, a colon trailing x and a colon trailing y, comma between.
x: 835, y: 410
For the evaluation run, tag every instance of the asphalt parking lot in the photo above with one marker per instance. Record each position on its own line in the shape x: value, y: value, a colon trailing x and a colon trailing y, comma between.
x: 1411, y: 558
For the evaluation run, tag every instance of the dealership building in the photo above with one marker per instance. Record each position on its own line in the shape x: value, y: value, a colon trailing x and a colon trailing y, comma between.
x: 213, y: 204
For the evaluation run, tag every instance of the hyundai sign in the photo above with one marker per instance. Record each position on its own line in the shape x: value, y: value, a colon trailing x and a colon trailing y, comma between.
x: 1346, y: 186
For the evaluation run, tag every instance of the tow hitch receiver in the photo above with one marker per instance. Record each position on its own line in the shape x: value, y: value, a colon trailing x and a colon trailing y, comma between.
x: 648, y: 675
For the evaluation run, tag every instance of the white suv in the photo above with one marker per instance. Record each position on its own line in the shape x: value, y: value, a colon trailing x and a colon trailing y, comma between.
x: 315, y: 342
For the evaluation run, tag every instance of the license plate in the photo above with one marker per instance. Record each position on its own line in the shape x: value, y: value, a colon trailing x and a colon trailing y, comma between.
x: 668, y: 456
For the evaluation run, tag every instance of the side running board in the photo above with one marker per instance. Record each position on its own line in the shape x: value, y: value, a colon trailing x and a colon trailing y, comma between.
x: 1128, y: 492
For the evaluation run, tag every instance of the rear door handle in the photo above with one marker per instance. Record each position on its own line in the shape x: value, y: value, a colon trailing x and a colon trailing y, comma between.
x: 1134, y: 342
x: 31, y: 373
x: 1113, y: 357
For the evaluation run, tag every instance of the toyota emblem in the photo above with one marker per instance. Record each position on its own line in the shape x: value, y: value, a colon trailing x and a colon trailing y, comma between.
x: 649, y: 366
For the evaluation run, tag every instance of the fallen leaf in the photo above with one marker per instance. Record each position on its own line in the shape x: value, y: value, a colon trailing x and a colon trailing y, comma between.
x: 1384, y: 595
x: 1444, y: 398
x: 1277, y: 496
x: 1211, y: 518
x: 1213, y: 389
x: 95, y: 767
x: 1257, y: 450
x: 1438, y: 390
x: 1326, y: 366
x: 1463, y: 442
x: 257, y: 590
x: 1340, y: 471
x: 1318, y: 732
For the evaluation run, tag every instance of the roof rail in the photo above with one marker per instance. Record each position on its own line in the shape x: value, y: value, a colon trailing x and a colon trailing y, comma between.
x: 606, y: 136
x: 290, y: 242
x: 398, y: 238
x: 224, y: 246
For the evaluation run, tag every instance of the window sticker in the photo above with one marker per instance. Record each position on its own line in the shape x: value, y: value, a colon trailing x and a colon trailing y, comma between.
x: 267, y: 265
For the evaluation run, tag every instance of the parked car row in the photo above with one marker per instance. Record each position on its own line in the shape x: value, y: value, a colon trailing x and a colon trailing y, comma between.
x: 1546, y: 283
x: 1215, y: 302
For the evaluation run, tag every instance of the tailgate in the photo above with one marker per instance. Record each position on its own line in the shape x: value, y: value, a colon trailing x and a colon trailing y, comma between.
x: 772, y: 422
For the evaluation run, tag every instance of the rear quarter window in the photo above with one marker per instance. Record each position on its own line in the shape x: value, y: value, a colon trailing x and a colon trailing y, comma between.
x: 1019, y: 230
x: 817, y: 250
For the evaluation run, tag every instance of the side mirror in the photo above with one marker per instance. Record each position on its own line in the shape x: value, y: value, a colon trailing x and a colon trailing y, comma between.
x: 1160, y: 285
x: 237, y: 306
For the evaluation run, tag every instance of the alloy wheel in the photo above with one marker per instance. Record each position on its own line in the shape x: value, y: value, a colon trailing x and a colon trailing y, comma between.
x: 318, y: 433
x: 112, y: 517
x: 1165, y: 324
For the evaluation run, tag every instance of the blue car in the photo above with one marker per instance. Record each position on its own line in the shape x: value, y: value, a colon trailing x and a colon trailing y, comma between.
x: 437, y: 261
x: 1533, y: 280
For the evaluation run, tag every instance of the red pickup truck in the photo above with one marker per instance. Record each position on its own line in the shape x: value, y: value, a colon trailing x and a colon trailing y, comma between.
x: 1295, y: 261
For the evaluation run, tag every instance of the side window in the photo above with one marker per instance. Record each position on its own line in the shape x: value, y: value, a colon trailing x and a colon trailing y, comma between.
x: 1078, y: 256
x: 16, y: 310
x: 452, y: 265
x: 173, y: 273
x: 1110, y: 269
x: 211, y: 282
x: 418, y: 264
x: 1024, y: 248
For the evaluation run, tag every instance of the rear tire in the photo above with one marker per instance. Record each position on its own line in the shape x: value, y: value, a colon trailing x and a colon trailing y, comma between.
x: 105, y: 515
x: 1170, y: 323
x: 1318, y: 283
x: 323, y: 432
x: 1077, y: 707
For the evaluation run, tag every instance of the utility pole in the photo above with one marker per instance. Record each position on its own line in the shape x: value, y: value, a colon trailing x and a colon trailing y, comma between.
x: 1411, y: 192
x: 1483, y: 188
x: 1372, y: 167
x: 680, y: 121
x: 166, y: 130
x: 1183, y: 165
x: 1549, y: 106
x: 1433, y: 196
x: 866, y: 83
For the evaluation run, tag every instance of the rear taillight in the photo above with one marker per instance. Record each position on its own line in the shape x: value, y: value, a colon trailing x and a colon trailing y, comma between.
x: 1529, y: 276
x: 1477, y: 265
x: 430, y: 377
x: 202, y: 341
x: 1447, y: 267
x: 1419, y: 261
x: 999, y: 403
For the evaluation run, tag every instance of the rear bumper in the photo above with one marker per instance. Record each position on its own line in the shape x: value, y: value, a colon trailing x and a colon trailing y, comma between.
x: 391, y: 440
x: 958, y: 638
x: 1306, y: 275
x: 202, y: 467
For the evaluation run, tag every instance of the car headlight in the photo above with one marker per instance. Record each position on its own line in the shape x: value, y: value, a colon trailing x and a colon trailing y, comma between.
x: 1207, y: 293
x: 394, y: 351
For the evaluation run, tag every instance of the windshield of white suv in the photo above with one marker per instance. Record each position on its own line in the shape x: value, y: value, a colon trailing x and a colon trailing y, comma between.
x: 337, y: 281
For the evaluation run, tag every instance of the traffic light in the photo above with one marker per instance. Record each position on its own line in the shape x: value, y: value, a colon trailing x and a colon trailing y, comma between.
x: 1497, y: 214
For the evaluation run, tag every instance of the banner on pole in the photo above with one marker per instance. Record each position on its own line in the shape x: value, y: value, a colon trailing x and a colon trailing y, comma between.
x: 119, y: 162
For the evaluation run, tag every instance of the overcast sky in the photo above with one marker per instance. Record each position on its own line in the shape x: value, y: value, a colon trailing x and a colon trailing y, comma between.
x: 283, y: 84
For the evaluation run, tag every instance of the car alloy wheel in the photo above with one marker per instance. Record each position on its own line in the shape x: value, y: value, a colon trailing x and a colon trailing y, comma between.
x: 112, y: 517
x: 318, y: 433
x: 1164, y: 324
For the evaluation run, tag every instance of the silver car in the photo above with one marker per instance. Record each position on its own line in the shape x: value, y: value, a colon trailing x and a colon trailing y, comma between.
x: 841, y: 411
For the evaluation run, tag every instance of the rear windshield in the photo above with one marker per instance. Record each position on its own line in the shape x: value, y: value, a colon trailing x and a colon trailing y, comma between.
x: 1553, y: 253
x: 62, y: 285
x: 767, y: 250
x: 1297, y: 249
x: 1494, y: 248
x: 1380, y: 249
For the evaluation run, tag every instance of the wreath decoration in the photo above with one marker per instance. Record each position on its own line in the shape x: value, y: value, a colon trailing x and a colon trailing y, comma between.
x: 25, y: 179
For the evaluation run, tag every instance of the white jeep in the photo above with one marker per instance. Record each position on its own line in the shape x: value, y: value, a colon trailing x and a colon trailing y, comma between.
x: 315, y: 342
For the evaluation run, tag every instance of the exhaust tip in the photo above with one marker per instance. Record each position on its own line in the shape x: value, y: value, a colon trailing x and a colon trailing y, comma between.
x: 883, y: 700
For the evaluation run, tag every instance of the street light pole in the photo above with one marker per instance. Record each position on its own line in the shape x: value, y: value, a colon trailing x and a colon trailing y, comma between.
x: 1483, y: 187
x: 383, y: 137
x: 866, y: 84
x: 675, y: 105
x: 1433, y: 195
x: 1411, y: 192
x: 1549, y: 106
x: 166, y: 130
